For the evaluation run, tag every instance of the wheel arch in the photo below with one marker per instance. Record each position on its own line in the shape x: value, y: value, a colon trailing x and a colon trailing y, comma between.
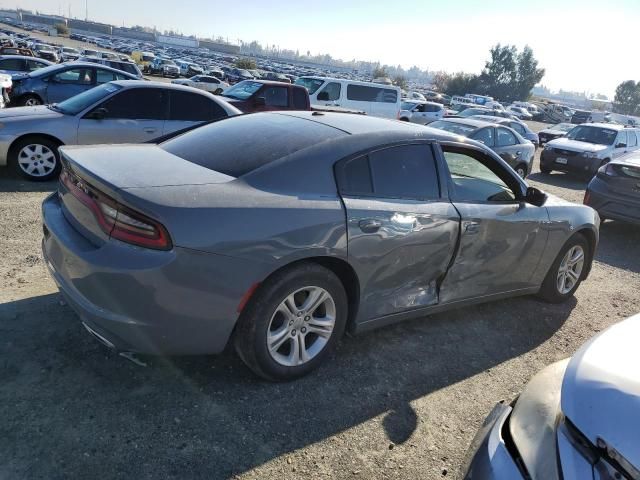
x: 28, y: 94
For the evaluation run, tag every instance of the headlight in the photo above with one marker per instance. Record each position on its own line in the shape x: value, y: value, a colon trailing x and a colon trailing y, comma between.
x: 590, y: 155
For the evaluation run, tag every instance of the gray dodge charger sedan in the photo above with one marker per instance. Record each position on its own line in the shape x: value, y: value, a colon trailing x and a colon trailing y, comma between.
x: 281, y: 230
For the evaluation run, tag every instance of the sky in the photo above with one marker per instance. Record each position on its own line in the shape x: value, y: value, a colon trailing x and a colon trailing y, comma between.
x: 584, y: 45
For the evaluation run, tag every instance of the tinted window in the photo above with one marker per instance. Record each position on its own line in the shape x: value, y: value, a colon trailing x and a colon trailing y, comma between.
x: 354, y: 176
x: 81, y: 76
x: 137, y: 104
x: 473, y: 181
x: 485, y: 136
x: 226, y: 147
x: 299, y: 99
x: 505, y: 138
x: 276, y: 96
x: 364, y: 93
x: 12, y: 64
x: 407, y: 171
x: 34, y: 65
x: 332, y: 90
x: 193, y: 107
x: 431, y: 108
x: 518, y: 128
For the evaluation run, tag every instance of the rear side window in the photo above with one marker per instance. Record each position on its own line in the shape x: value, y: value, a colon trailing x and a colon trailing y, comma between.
x: 505, y: 138
x: 484, y: 136
x: 226, y: 148
x: 276, y: 96
x: 137, y: 104
x: 192, y: 107
x: 406, y: 171
x: 518, y: 128
x: 332, y: 90
x: 299, y: 99
x: 362, y: 93
x: 104, y: 76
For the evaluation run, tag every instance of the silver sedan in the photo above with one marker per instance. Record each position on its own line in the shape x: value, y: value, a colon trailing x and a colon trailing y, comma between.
x: 117, y: 112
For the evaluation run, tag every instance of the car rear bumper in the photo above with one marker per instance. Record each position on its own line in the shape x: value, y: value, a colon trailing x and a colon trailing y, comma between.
x: 159, y: 302
x: 488, y: 457
x: 576, y: 163
x: 612, y: 205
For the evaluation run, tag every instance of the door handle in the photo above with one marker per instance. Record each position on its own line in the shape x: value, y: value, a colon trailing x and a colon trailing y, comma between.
x: 150, y: 130
x: 471, y: 228
x: 370, y: 225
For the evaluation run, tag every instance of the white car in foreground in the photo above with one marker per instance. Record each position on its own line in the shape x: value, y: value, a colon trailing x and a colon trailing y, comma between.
x: 577, y: 419
x: 203, y: 82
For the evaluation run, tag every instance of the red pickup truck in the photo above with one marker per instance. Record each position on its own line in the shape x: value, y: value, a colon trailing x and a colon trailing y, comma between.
x: 262, y: 95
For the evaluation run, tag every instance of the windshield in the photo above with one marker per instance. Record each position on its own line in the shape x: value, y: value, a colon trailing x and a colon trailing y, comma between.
x: 69, y: 50
x: 453, y: 127
x: 311, y: 84
x: 407, y: 105
x: 563, y: 127
x: 44, y: 48
x: 242, y: 90
x: 589, y: 134
x: 84, y: 100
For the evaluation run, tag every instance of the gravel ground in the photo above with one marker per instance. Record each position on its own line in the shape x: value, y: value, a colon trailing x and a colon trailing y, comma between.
x: 400, y: 402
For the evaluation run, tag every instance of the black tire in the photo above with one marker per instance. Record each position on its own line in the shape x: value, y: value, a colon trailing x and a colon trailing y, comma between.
x: 521, y: 169
x: 29, y: 101
x: 250, y: 336
x: 44, y: 171
x: 404, y: 119
x: 549, y: 290
x: 544, y: 169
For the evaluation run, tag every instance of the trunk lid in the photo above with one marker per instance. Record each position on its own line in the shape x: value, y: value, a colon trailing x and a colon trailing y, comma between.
x: 123, y: 173
x: 601, y: 389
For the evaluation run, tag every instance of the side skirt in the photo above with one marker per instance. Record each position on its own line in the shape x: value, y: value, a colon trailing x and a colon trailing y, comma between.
x: 421, y: 312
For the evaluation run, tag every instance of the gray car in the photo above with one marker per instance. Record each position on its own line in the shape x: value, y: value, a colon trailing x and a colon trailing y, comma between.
x: 517, y: 125
x: 587, y: 147
x: 615, y: 190
x: 282, y: 230
x: 116, y: 112
x: 56, y: 83
x: 506, y: 142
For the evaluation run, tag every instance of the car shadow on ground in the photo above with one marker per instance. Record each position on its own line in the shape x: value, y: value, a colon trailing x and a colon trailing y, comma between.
x: 619, y: 245
x: 557, y: 179
x: 71, y: 406
x: 11, y: 182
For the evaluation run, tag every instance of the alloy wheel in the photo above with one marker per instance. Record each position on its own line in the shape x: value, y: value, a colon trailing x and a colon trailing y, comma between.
x: 570, y: 269
x: 32, y: 102
x: 301, y: 326
x: 37, y: 160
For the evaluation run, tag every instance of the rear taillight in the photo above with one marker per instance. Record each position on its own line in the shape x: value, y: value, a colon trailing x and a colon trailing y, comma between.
x: 587, y: 197
x: 609, y: 170
x: 115, y: 219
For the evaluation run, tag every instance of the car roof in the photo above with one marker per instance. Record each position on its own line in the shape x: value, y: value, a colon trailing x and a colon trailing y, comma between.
x: 610, y: 126
x: 152, y: 84
x: 27, y: 57
x: 54, y: 66
x: 472, y: 122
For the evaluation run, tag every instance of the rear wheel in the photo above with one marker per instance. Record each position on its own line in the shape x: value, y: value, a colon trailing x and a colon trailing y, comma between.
x: 544, y: 169
x: 292, y: 322
x: 567, y: 271
x: 35, y: 158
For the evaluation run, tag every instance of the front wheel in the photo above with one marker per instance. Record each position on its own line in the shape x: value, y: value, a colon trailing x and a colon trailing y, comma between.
x: 567, y: 271
x: 30, y: 101
x: 292, y: 323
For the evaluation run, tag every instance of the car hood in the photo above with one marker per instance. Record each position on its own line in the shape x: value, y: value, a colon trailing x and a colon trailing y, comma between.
x: 548, y: 131
x: 41, y: 111
x: 601, y: 389
x: 576, y: 146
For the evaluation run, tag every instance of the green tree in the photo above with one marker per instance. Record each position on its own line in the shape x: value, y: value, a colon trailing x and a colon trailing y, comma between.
x: 462, y: 83
x: 509, y: 75
x: 400, y: 81
x: 627, y: 99
x: 379, y: 72
x: 440, y: 81
x: 61, y: 28
x: 246, y: 63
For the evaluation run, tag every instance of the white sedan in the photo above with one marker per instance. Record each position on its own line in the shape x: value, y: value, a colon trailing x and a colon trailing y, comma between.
x: 203, y: 82
x: 520, y: 112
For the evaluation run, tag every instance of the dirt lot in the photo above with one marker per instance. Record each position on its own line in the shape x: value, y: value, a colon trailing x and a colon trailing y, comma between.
x: 401, y: 402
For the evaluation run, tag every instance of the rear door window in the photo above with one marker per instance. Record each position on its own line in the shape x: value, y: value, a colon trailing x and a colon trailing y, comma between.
x: 192, y: 107
x: 137, y: 104
x: 485, y: 136
x: 104, y: 76
x: 505, y: 138
x: 402, y: 172
x: 276, y: 96
x: 300, y: 99
x: 77, y: 76
x: 16, y: 64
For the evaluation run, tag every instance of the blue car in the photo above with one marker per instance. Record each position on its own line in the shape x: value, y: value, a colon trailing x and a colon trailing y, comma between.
x: 15, y: 64
x: 56, y: 83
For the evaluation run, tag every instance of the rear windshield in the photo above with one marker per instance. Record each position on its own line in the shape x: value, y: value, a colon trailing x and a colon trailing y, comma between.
x: 239, y: 145
x: 457, y: 128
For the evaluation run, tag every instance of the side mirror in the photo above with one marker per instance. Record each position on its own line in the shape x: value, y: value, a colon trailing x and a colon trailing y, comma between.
x: 259, y: 102
x: 98, y: 113
x: 535, y: 196
x: 323, y: 97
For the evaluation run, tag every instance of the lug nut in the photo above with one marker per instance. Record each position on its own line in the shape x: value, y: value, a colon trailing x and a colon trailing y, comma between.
x: 303, y: 330
x: 293, y: 333
x: 307, y: 318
